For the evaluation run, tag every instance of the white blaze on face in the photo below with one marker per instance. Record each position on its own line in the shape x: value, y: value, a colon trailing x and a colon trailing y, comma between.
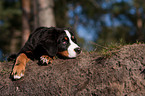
x: 72, y: 46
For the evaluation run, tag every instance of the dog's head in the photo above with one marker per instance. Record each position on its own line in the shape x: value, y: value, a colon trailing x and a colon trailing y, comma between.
x: 60, y: 41
x: 67, y: 44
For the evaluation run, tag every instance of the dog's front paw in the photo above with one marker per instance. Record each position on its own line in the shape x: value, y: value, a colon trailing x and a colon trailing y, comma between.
x: 18, y: 71
x: 44, y: 60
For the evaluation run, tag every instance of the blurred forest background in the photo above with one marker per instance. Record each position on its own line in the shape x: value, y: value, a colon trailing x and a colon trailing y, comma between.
x: 99, y: 21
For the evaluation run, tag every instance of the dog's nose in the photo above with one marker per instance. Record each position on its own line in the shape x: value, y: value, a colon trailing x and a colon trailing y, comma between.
x: 78, y: 50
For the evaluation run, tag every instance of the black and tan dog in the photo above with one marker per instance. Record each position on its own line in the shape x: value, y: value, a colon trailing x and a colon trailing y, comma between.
x: 44, y: 44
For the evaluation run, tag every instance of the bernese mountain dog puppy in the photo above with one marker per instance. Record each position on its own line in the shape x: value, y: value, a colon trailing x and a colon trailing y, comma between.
x: 43, y: 45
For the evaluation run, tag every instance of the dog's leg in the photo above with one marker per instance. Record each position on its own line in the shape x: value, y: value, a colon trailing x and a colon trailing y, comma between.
x: 44, y: 60
x: 19, y: 67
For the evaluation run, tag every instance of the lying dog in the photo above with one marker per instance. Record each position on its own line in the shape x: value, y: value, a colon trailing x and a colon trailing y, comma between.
x: 44, y: 44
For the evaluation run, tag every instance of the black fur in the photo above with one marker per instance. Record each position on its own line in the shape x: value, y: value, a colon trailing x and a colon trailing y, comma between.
x: 45, y: 41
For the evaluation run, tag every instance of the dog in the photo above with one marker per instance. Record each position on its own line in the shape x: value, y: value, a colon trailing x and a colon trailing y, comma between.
x: 43, y: 45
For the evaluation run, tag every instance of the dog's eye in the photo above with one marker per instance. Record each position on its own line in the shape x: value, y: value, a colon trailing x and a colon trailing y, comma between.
x: 64, y: 41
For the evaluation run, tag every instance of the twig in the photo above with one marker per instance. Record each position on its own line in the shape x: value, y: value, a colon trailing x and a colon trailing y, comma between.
x: 98, y: 45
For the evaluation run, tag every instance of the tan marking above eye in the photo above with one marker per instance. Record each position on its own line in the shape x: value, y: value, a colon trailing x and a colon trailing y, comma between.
x: 73, y: 37
x: 65, y: 38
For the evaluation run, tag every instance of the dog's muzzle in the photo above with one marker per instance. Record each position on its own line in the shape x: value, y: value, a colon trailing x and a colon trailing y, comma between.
x: 78, y: 50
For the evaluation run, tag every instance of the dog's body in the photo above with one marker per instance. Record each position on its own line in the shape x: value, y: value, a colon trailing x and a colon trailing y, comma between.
x: 44, y: 44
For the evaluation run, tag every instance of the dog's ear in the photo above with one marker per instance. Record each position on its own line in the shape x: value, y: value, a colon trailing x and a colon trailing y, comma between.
x: 50, y: 43
x: 50, y: 47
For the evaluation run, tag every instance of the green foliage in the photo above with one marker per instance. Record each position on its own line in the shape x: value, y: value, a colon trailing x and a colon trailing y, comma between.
x: 91, y: 16
x: 128, y: 14
x: 108, y: 35
x: 10, y: 21
x: 109, y: 49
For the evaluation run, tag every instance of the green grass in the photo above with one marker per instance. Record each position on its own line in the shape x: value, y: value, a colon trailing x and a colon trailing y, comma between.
x: 109, y: 49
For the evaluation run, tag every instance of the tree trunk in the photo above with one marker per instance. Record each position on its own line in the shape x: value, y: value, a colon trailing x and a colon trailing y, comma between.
x: 25, y: 20
x: 139, y: 26
x: 35, y: 14
x: 45, y: 14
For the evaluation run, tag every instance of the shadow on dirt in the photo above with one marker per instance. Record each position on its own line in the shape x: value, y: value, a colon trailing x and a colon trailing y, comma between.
x: 87, y: 75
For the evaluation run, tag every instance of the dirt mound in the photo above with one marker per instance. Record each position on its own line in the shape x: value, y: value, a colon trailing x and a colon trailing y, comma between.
x: 87, y: 75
